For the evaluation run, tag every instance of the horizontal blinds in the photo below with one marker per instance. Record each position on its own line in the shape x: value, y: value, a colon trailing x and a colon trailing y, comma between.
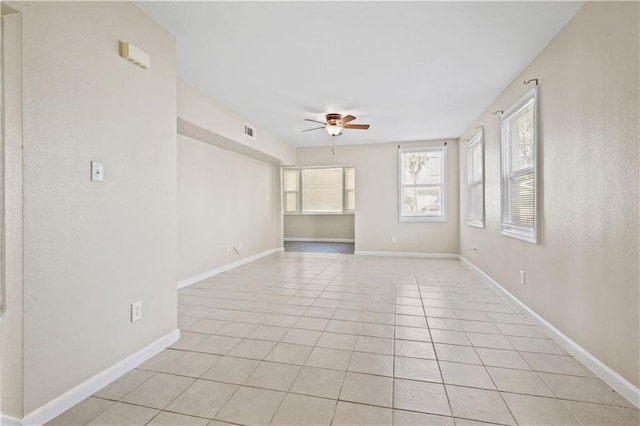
x: 322, y: 190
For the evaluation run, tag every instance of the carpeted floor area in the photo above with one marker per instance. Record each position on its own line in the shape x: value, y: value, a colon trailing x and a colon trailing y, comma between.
x: 317, y: 247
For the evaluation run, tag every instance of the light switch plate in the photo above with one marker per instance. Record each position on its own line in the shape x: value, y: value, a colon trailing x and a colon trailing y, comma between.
x: 97, y: 171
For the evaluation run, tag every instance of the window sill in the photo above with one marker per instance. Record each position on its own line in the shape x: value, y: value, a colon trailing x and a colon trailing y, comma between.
x: 527, y: 235
x: 320, y: 214
x: 422, y: 219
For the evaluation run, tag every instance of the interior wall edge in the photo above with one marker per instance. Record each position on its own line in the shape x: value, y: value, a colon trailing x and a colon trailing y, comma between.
x: 597, y: 367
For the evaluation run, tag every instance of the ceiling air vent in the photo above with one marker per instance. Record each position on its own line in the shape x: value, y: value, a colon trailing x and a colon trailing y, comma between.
x: 249, y: 131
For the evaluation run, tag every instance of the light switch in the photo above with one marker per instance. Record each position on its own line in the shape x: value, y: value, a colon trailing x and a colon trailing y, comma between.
x: 97, y: 171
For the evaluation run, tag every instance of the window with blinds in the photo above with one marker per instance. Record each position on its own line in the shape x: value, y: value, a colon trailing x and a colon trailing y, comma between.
x: 423, y: 190
x: 519, y: 180
x: 475, y: 180
x: 318, y: 190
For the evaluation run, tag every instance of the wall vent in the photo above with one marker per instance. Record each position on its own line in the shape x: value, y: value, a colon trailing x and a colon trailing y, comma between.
x: 249, y: 131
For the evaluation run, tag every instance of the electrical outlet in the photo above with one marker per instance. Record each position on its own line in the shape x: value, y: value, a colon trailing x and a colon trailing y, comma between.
x: 522, y: 277
x: 97, y: 171
x: 136, y: 311
x: 394, y: 240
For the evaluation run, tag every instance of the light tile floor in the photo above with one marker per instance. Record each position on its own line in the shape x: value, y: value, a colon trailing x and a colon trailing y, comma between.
x: 319, y: 339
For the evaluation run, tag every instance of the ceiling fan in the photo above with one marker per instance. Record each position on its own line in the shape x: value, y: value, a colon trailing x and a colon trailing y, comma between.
x: 335, y: 123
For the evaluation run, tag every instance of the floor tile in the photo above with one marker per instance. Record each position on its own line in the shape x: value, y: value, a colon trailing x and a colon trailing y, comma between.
x: 474, y: 376
x: 250, y: 348
x: 408, y: 418
x: 165, y: 418
x: 420, y: 396
x: 318, y: 324
x: 251, y: 406
x: 597, y: 415
x: 236, y: 329
x: 520, y: 330
x: 417, y: 369
x: 158, y: 391
x: 191, y: 364
x: 519, y: 381
x: 350, y: 414
x: 479, y: 404
x: 414, y: 349
x: 455, y: 353
x: 545, y: 346
x: 377, y: 345
x: 301, y: 337
x: 304, y: 410
x: 335, y: 359
x: 370, y: 363
x: 318, y: 382
x: 219, y: 345
x: 271, y: 375
x: 376, y: 330
x: 534, y: 410
x: 124, y: 385
x: 367, y: 389
x: 82, y: 413
x: 267, y: 332
x: 502, y: 358
x: 337, y: 341
x: 161, y: 360
x: 479, y: 327
x: 494, y: 341
x: 124, y: 414
x: 202, y: 399
x: 340, y: 326
x: 450, y: 337
x: 413, y: 333
x: 583, y: 389
x: 188, y: 340
x: 557, y: 364
x: 231, y: 370
x: 289, y: 353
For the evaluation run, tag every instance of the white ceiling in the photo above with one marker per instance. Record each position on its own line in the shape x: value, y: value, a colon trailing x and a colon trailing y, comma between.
x: 413, y: 70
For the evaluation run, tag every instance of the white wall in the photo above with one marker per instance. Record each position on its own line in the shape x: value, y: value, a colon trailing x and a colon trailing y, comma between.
x: 11, y: 359
x: 583, y: 277
x: 376, y: 217
x: 91, y: 249
x: 319, y: 226
x: 223, y: 198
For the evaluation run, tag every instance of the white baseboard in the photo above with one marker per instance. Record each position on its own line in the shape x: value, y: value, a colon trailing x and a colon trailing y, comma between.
x: 322, y: 240
x: 9, y: 421
x: 600, y: 369
x: 406, y: 254
x: 203, y: 276
x: 54, y: 408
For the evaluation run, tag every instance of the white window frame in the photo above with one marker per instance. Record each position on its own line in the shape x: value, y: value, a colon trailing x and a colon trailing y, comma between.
x: 478, y: 139
x: 442, y: 185
x: 528, y: 234
x: 300, y: 192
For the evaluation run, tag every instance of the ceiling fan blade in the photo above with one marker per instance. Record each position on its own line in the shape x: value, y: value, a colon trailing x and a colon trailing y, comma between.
x: 347, y: 119
x: 315, y: 128
x: 356, y: 126
x: 315, y: 121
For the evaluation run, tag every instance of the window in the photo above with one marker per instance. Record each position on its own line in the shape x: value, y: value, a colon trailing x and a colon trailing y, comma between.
x: 423, y: 184
x: 519, y: 147
x: 475, y: 181
x: 319, y: 190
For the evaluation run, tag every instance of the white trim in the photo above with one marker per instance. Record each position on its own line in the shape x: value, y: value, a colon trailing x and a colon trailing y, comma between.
x: 406, y: 254
x: 59, y: 405
x: 229, y: 266
x: 9, y: 421
x: 321, y: 240
x: 600, y: 369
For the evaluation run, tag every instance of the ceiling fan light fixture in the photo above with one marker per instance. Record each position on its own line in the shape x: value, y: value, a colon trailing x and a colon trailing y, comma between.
x: 334, y: 129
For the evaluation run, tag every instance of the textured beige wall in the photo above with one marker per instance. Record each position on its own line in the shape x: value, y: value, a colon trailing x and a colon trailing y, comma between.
x: 198, y: 109
x: 376, y: 217
x: 223, y: 198
x: 11, y: 358
x: 91, y: 249
x: 583, y: 277
x: 319, y: 226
